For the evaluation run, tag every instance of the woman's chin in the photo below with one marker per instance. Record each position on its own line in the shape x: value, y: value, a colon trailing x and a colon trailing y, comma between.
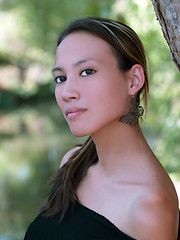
x: 79, y: 133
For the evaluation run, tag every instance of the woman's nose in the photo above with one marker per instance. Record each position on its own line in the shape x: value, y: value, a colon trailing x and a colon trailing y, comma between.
x: 69, y: 91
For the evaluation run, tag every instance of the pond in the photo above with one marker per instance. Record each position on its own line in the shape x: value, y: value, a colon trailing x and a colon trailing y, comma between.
x: 33, y: 140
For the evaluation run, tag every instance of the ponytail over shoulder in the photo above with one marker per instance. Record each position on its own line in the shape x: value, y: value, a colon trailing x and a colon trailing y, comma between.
x: 67, y: 178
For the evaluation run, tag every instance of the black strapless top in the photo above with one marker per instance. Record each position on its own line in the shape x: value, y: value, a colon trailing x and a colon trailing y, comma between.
x: 80, y: 223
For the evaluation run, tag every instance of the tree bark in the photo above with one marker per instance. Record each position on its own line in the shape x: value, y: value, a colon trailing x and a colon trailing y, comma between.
x: 168, y: 15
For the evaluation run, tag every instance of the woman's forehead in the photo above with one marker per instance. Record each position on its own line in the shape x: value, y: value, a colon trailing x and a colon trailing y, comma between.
x: 84, y: 45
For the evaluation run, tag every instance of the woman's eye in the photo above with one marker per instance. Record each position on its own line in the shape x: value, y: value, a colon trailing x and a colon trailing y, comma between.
x: 87, y: 72
x: 60, y: 79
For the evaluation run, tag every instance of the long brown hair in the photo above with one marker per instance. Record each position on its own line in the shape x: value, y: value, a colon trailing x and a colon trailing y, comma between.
x: 129, y: 51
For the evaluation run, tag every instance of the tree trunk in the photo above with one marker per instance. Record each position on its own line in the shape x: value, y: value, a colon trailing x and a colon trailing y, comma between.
x: 168, y: 15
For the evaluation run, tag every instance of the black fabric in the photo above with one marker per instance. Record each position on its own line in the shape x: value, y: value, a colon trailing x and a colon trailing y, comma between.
x: 80, y: 223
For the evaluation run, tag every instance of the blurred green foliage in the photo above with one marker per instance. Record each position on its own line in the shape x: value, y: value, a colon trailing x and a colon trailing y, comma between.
x: 33, y: 134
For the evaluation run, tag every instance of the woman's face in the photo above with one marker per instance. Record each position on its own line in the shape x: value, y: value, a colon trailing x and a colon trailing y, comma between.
x: 91, y: 91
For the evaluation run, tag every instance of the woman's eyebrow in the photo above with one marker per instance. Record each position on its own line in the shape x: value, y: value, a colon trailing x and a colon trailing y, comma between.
x: 74, y: 65
x: 57, y: 69
x: 83, y: 61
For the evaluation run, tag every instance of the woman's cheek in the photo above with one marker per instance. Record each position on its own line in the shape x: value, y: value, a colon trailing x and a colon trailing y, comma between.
x: 58, y: 98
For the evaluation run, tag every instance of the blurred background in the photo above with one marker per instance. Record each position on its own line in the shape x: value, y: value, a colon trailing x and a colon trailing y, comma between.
x: 33, y: 134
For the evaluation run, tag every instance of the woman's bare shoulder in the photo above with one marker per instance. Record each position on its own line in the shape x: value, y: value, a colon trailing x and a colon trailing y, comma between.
x: 155, y: 215
x: 68, y: 155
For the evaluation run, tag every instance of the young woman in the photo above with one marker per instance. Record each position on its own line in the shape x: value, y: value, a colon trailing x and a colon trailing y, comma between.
x: 113, y: 186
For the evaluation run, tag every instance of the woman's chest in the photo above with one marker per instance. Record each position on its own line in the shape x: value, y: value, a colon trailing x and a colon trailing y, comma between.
x: 113, y: 201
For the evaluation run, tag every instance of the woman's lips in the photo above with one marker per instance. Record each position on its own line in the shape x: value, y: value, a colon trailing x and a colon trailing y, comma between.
x: 75, y: 112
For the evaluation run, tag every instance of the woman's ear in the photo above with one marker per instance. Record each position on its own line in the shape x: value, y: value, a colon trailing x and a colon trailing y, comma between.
x: 136, y: 79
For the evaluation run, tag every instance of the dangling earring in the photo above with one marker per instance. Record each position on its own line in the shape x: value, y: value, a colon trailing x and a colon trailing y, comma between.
x: 133, y: 116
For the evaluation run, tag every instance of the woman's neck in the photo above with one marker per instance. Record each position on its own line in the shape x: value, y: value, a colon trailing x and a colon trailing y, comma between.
x: 117, y: 144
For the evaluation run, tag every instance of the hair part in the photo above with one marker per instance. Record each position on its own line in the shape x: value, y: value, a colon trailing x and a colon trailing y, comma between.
x: 129, y: 51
